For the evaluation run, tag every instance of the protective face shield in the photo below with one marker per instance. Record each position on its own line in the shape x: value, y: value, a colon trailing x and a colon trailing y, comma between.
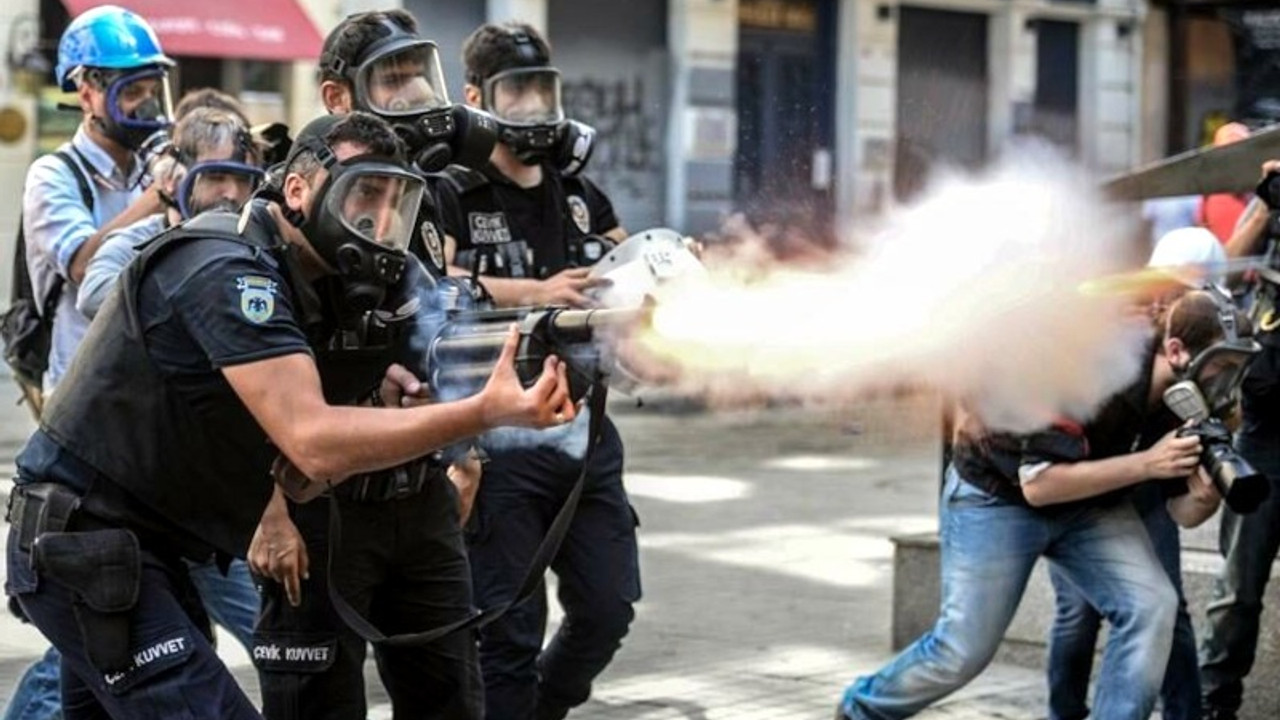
x: 399, y: 78
x: 525, y: 101
x: 525, y: 97
x: 360, y: 223
x: 138, y: 105
x: 217, y: 184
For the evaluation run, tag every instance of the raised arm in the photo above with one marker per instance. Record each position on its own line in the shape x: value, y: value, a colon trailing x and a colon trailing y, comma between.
x: 330, y: 443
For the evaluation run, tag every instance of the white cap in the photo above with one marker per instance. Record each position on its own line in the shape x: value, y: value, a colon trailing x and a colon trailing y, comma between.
x: 1193, y: 246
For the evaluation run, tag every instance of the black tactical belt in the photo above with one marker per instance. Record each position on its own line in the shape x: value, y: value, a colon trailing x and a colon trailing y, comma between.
x: 395, y: 484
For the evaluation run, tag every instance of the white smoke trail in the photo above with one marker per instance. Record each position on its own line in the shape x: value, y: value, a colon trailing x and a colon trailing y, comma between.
x: 975, y: 290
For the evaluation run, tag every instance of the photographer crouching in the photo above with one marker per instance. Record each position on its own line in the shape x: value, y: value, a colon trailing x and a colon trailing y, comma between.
x: 1060, y: 493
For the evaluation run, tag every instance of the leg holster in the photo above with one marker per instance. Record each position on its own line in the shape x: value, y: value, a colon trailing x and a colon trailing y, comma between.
x: 102, y: 568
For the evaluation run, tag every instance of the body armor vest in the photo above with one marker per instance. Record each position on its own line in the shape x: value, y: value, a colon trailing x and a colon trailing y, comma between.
x: 489, y: 244
x: 120, y: 414
x: 205, y: 473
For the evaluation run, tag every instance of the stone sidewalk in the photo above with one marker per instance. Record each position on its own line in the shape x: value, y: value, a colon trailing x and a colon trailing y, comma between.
x: 765, y: 559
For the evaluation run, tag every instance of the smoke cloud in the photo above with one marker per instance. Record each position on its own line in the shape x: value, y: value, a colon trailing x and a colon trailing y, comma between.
x: 978, y: 290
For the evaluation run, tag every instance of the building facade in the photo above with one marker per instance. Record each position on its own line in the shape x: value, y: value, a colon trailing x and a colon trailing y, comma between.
x: 809, y: 112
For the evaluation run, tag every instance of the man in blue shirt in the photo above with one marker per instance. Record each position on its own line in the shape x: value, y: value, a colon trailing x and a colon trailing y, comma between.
x: 112, y: 60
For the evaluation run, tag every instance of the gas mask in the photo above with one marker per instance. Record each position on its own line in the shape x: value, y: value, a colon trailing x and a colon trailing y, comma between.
x: 217, y: 185
x: 1205, y: 394
x: 525, y: 101
x: 1216, y: 372
x: 146, y: 93
x: 399, y: 78
x: 360, y: 223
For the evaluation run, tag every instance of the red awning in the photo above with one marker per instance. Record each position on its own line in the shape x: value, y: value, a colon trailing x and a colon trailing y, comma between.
x: 247, y: 29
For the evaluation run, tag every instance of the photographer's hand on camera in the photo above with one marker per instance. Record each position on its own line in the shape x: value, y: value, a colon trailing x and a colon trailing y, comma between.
x: 1200, y: 488
x: 278, y: 551
x: 1198, y: 504
x: 505, y: 401
x: 1172, y: 456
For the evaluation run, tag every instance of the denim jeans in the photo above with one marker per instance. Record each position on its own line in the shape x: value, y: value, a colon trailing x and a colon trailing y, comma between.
x: 989, y: 547
x: 1076, y: 624
x: 232, y: 600
x: 1249, y: 544
x: 38, y: 695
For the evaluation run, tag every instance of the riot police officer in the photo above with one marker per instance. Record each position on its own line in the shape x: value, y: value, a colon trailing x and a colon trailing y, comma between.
x: 200, y: 379
x: 402, y: 562
x: 527, y: 227
x: 377, y: 62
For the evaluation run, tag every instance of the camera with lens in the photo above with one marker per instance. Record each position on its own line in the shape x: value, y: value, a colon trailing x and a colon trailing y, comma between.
x: 1241, y: 486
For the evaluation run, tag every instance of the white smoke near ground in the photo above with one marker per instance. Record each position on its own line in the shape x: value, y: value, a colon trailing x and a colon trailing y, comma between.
x: 976, y: 291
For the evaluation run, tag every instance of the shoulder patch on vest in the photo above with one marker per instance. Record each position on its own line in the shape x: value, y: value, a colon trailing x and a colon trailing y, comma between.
x: 580, y: 214
x: 432, y: 242
x: 257, y: 297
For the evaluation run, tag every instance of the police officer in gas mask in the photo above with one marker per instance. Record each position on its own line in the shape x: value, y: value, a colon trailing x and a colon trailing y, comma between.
x: 527, y: 227
x: 377, y: 62
x: 203, y: 377
x: 401, y: 564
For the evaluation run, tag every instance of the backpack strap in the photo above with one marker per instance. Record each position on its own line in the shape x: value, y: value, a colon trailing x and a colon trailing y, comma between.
x: 86, y: 190
x: 21, y: 288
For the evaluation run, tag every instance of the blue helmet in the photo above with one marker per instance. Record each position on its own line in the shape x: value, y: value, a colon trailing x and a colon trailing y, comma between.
x: 107, y: 37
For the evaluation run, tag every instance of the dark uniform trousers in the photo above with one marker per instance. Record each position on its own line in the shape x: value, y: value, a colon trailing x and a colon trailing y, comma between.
x: 174, y: 671
x: 597, y: 569
x: 402, y: 565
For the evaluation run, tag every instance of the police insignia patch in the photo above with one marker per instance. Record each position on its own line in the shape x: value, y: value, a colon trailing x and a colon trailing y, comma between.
x: 431, y: 240
x: 257, y: 297
x: 581, y: 216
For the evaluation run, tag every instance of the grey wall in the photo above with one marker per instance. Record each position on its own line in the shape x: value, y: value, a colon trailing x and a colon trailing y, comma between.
x: 613, y: 59
x: 448, y: 23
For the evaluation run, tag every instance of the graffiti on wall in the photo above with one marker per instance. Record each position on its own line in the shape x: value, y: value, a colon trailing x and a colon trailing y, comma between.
x: 628, y: 123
